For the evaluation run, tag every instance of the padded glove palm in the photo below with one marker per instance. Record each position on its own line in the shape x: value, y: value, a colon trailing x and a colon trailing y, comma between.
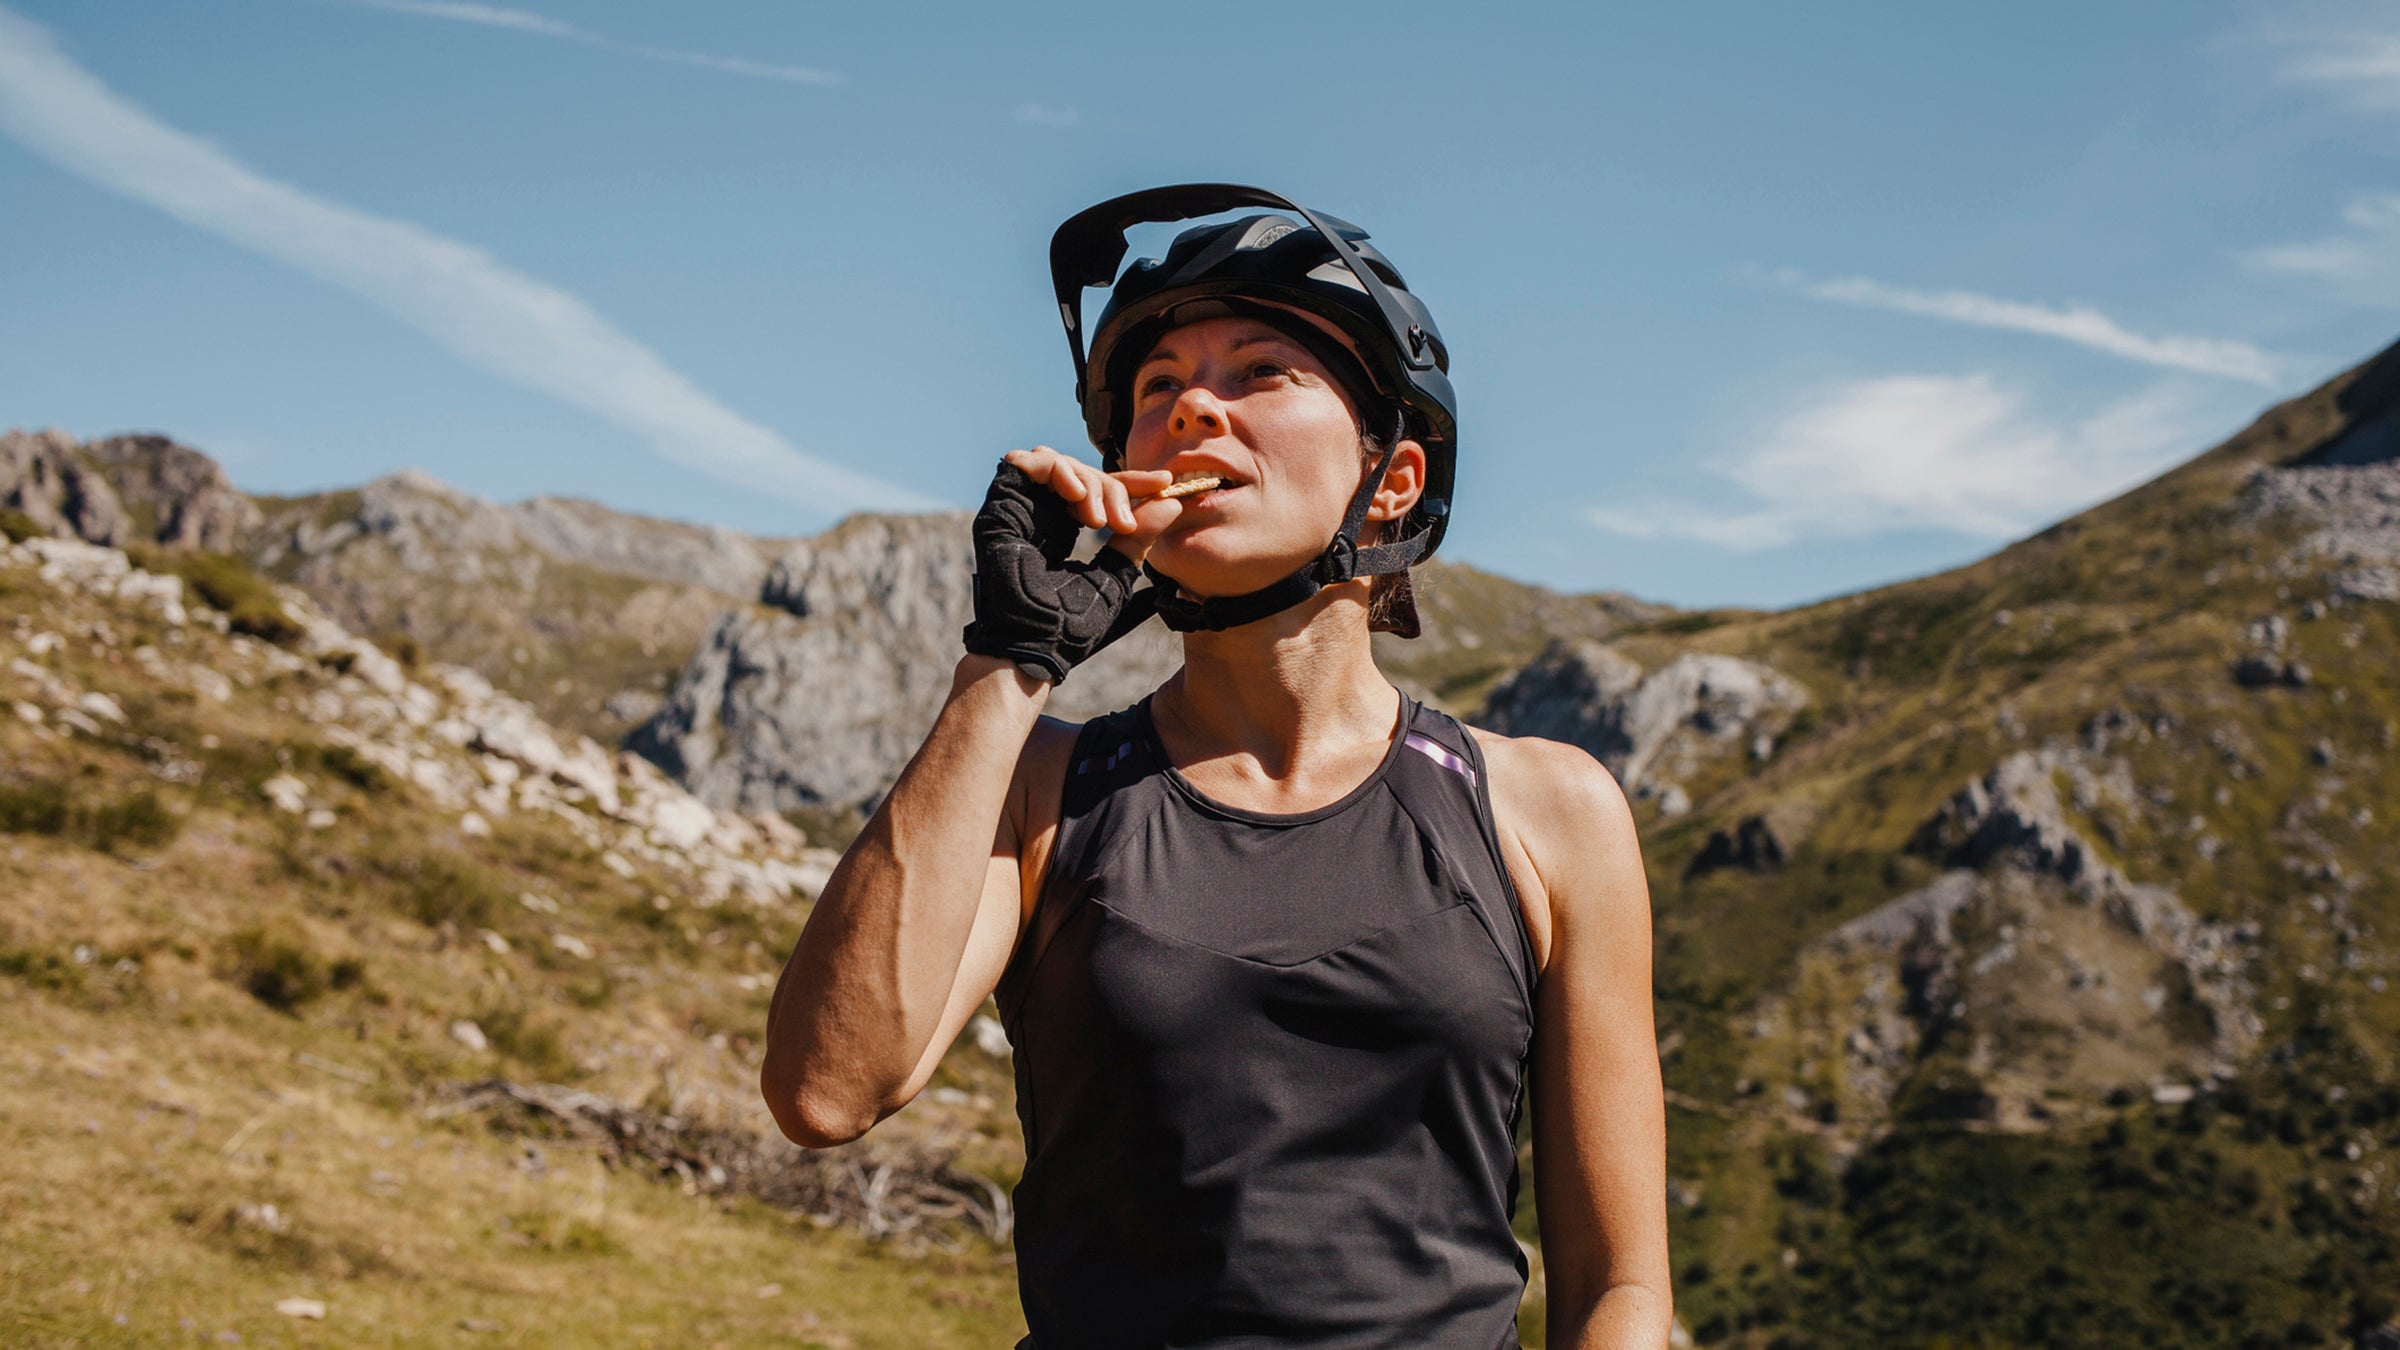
x: 1033, y: 605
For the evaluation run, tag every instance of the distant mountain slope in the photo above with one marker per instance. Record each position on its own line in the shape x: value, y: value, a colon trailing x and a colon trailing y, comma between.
x: 2089, y: 845
x: 803, y: 671
x: 816, y: 699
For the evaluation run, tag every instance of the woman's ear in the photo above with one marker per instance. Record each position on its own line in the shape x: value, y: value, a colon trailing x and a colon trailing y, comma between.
x: 1403, y: 483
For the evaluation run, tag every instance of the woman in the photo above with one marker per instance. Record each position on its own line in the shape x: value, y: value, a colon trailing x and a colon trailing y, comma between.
x: 1276, y: 946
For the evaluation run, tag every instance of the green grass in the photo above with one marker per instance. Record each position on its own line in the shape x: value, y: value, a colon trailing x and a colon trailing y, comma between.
x: 231, y: 586
x: 135, y: 821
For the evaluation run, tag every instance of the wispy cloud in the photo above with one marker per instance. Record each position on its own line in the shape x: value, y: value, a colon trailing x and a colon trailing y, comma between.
x: 2351, y: 50
x: 1043, y: 115
x: 2362, y: 262
x: 503, y: 321
x: 2352, y: 53
x: 542, y: 25
x: 2079, y: 324
x: 1959, y: 454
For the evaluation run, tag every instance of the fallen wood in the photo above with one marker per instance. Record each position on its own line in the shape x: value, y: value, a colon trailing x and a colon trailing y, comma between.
x: 875, y: 1188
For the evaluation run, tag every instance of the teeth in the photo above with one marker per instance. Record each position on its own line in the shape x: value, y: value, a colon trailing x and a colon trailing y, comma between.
x: 1187, y: 486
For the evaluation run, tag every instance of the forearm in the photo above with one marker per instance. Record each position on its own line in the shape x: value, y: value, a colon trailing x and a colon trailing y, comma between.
x: 1625, y: 1317
x: 875, y: 967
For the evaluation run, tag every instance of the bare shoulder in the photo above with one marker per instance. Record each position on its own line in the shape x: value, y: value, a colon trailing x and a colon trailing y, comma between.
x: 1548, y: 786
x: 1569, y: 834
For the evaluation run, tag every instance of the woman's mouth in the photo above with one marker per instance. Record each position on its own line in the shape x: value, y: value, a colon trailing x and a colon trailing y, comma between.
x: 1195, y: 482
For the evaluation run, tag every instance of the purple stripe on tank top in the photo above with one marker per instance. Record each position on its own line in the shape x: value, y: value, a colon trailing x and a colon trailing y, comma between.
x: 1104, y: 765
x: 1440, y: 754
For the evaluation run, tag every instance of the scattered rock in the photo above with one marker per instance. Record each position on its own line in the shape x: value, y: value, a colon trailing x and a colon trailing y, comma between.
x: 286, y: 792
x: 265, y: 1218
x: 310, y: 1308
x: 468, y: 1034
x: 2259, y: 671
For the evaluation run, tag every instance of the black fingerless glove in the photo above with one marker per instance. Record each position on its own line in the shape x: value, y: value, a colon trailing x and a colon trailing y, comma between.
x: 1032, y: 605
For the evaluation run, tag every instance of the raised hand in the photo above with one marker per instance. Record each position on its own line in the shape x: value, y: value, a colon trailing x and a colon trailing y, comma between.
x: 1034, y: 605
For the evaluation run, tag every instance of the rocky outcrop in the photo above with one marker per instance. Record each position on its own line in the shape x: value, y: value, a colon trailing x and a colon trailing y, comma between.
x: 1651, y: 728
x: 2058, y: 966
x: 820, y: 700
x: 180, y: 497
x: 1759, y: 843
x: 2013, y: 815
x: 467, y: 749
x: 124, y: 490
x: 2345, y: 493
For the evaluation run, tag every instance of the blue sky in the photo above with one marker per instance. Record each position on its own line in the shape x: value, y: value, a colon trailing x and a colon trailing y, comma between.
x: 1748, y: 303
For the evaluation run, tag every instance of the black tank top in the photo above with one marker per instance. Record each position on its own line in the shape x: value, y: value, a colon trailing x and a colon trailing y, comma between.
x: 1269, y: 1066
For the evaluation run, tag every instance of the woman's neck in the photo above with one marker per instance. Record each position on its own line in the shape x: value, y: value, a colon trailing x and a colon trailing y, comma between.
x: 1287, y: 699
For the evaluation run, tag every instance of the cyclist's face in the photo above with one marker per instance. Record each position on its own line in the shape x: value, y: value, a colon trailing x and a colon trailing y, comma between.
x: 1236, y: 398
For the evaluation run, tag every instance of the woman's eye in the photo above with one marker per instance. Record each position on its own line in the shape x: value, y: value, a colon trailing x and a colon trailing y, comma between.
x: 1266, y: 369
x: 1156, y: 384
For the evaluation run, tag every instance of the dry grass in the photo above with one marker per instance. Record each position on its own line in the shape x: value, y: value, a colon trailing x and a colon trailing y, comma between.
x: 208, y: 1009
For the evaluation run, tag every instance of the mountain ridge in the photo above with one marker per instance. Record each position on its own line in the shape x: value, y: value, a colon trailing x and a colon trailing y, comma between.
x: 2024, y: 932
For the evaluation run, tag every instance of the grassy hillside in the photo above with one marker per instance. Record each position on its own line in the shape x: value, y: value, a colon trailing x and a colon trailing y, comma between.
x: 2074, y: 1147
x: 245, y: 1036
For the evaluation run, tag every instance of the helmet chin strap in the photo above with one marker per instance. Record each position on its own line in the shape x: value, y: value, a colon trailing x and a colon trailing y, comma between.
x: 1343, y: 560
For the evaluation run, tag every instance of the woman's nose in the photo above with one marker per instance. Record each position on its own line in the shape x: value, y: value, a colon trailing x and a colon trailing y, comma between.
x: 1197, y: 412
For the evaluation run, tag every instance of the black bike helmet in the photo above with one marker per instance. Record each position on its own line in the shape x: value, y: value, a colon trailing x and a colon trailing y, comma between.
x: 1318, y: 264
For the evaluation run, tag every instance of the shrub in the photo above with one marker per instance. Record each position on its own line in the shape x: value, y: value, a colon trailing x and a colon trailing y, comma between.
x: 19, y: 527
x: 140, y: 819
x: 530, y: 1040
x: 439, y: 888
x: 43, y: 970
x: 228, y: 584
x: 281, y: 972
x: 353, y: 768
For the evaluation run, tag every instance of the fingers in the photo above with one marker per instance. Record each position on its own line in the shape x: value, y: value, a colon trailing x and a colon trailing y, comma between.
x: 1151, y: 517
x: 1078, y: 484
x: 1102, y: 501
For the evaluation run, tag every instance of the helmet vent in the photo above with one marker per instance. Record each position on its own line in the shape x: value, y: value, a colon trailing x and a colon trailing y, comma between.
x: 1266, y: 230
x: 1339, y: 273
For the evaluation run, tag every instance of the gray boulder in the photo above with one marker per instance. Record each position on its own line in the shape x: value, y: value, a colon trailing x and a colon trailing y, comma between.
x: 1648, y: 728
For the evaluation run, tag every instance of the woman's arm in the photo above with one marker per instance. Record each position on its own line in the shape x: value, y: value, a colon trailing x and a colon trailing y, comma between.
x: 1599, y: 1117
x: 916, y: 924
